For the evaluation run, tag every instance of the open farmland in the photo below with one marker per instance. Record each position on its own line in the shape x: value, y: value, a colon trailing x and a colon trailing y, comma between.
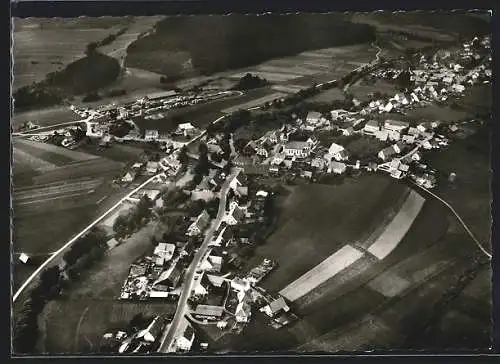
x: 56, y: 193
x: 253, y: 103
x: 46, y: 45
x: 438, y: 25
x: 215, y: 46
x: 45, y: 117
x: 92, y: 305
x: 327, y: 269
x: 434, y: 112
x: 333, y: 94
x: 311, y: 236
x: 366, y: 92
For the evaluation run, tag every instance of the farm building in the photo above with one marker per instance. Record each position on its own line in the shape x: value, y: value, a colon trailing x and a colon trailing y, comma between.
x: 208, y: 312
x: 338, y: 152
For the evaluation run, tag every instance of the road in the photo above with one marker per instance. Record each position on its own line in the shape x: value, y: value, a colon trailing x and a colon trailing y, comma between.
x: 478, y: 243
x: 76, y: 237
x: 171, y: 333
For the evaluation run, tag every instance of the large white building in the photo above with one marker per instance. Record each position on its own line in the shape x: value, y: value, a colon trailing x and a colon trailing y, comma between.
x: 297, y: 149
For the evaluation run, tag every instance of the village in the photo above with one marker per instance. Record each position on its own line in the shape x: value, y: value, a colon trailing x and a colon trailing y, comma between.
x: 225, y: 294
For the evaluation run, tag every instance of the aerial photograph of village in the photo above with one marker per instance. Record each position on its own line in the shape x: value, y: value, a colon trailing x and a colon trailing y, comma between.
x: 282, y: 183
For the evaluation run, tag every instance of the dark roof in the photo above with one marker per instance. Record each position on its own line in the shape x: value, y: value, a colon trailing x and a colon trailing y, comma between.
x: 208, y: 310
x: 238, y: 213
x: 189, y: 332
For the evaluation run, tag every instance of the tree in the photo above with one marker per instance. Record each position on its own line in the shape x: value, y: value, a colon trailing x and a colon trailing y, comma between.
x: 183, y: 157
x: 197, y: 179
x: 50, y: 281
x: 120, y: 226
x: 227, y: 168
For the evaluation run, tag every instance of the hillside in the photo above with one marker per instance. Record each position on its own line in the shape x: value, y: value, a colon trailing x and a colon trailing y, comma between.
x: 182, y: 46
x: 85, y: 75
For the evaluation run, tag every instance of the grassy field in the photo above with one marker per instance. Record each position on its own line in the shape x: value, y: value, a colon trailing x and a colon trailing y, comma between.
x: 333, y: 94
x: 434, y: 112
x: 439, y: 26
x: 44, y: 45
x: 76, y: 322
x: 216, y: 45
x: 312, y: 235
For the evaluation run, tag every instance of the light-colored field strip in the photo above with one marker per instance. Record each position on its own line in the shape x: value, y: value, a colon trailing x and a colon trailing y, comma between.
x: 270, y: 76
x: 327, y: 269
x: 73, y: 154
x: 48, y: 199
x: 287, y: 88
x: 56, y: 190
x: 301, y: 71
x: 398, y: 227
x: 37, y: 164
x: 253, y: 103
x: 51, y: 184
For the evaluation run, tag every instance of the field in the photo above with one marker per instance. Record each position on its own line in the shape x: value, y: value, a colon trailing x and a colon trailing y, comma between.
x: 45, y: 117
x: 398, y: 227
x: 327, y: 269
x: 76, y: 323
x: 254, y: 103
x: 439, y: 26
x: 46, y: 45
x: 217, y: 44
x: 434, y: 112
x: 316, y: 234
x: 364, y: 92
x: 56, y: 193
x: 334, y: 94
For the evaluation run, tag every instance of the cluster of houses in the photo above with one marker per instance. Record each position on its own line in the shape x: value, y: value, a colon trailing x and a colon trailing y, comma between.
x: 435, y: 79
x: 155, y: 276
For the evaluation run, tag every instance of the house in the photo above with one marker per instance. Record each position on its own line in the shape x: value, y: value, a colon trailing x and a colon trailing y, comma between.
x: 170, y: 278
x: 243, y: 312
x: 399, y: 147
x: 212, y: 264
x: 382, y: 135
x: 216, y: 281
x: 208, y: 312
x: 164, y: 250
x: 372, y: 166
x: 152, y: 167
x: 24, y: 258
x: 201, y: 222
x: 453, y: 128
x: 151, y: 135
x: 297, y: 149
x: 153, y: 331
x: 235, y: 215
x: 413, y: 131
x: 409, y: 139
x: 184, y: 127
x: 185, y: 341
x: 240, y: 285
x: 129, y: 176
x: 398, y: 174
x: 306, y: 174
x: 312, y: 141
x: 338, y: 152
x: 313, y: 117
x: 242, y: 161
x: 396, y: 126
x: 386, y: 153
x: 336, y: 167
x: 371, y: 127
x: 319, y: 163
x: 275, y: 307
x: 348, y: 131
x: 262, y: 151
x: 393, y: 135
